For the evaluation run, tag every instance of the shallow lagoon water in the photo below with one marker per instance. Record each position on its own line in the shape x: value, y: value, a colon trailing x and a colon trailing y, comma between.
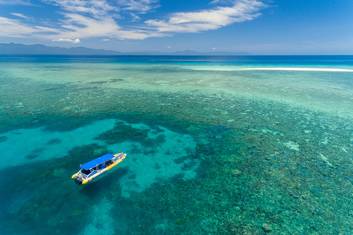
x: 220, y: 149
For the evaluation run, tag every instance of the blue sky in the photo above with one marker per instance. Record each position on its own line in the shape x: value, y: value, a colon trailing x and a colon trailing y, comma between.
x: 249, y: 26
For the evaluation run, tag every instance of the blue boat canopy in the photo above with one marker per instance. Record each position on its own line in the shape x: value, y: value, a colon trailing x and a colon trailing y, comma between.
x: 97, y: 161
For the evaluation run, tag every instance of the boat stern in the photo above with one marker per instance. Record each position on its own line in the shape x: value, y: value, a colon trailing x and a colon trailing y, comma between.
x: 79, y: 179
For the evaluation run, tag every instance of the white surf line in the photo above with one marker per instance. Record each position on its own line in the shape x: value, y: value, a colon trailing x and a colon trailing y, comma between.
x: 288, y: 69
x: 300, y: 69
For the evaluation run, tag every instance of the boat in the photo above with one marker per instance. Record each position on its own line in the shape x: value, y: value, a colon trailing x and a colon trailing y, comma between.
x: 96, y: 167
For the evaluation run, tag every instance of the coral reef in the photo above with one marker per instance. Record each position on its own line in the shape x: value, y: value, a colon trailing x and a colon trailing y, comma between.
x: 208, y: 152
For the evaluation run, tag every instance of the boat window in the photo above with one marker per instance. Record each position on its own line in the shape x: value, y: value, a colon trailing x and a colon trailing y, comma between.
x: 86, y: 172
x: 101, y: 166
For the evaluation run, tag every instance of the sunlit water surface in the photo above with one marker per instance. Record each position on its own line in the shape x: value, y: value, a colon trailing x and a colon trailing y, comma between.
x: 216, y: 145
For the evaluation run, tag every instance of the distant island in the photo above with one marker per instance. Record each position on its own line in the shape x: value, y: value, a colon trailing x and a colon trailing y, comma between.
x: 39, y: 49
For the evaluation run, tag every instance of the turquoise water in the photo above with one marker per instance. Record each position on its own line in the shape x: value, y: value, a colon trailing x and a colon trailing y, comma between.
x: 216, y: 145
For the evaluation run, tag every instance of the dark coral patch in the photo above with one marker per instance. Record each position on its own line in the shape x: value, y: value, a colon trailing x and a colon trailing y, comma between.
x: 34, y: 154
x: 116, y: 80
x: 54, y: 141
x: 3, y: 138
x: 125, y: 132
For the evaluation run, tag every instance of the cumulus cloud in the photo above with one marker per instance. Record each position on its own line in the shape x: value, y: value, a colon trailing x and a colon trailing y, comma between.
x: 240, y: 11
x: 80, y: 26
x: 81, y: 19
x: 92, y: 19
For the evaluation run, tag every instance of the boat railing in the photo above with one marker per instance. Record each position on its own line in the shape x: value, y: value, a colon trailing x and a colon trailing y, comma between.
x: 92, y: 173
x: 84, y: 176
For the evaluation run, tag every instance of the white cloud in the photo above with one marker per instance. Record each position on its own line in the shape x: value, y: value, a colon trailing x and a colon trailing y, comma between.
x: 80, y: 26
x: 139, y: 6
x: 20, y: 15
x: 93, y: 7
x: 240, y: 11
x: 83, y: 19
x: 70, y: 40
x: 92, y: 19
x: 15, y: 28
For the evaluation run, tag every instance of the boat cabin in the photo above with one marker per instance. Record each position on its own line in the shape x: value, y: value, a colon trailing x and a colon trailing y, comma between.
x: 97, y: 164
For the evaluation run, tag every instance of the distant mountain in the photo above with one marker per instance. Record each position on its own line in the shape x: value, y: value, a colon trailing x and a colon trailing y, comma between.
x: 188, y: 53
x: 38, y: 49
